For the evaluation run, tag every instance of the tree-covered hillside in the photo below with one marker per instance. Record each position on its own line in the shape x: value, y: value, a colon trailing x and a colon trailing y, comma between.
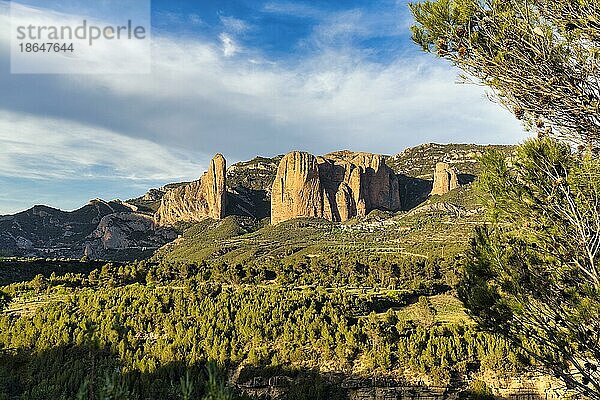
x: 151, y: 324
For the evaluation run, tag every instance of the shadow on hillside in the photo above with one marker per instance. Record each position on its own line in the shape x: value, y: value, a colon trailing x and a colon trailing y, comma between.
x: 13, y: 271
x: 85, y: 371
x: 466, y: 179
x: 413, y: 191
x: 247, y: 202
x: 63, y: 372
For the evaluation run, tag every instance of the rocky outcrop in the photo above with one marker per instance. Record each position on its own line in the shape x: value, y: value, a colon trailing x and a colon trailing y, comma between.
x: 134, y: 233
x: 297, y: 190
x: 445, y: 179
x: 359, y: 183
x: 346, y: 205
x: 337, y: 186
x: 371, y: 181
x: 109, y: 227
x: 216, y: 187
x: 204, y: 198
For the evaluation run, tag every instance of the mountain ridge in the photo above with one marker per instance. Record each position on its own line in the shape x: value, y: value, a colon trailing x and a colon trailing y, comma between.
x: 126, y: 231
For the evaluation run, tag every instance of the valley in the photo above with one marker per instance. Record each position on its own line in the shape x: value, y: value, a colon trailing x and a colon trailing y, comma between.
x: 312, y: 307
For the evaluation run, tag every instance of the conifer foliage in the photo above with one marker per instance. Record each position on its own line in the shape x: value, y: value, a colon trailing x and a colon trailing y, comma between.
x: 540, y: 57
x: 532, y: 275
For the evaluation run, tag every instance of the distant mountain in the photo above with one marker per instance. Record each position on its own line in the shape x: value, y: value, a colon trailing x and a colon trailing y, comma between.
x: 100, y: 229
x: 116, y: 230
x: 249, y: 185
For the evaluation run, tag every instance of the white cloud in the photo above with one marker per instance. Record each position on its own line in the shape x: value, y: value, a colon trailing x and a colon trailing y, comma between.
x: 207, y: 97
x: 230, y: 48
x: 35, y: 147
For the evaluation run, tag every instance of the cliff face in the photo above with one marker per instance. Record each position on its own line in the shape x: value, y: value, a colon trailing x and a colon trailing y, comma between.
x: 297, y: 190
x: 126, y: 235
x: 445, y: 179
x: 205, y: 198
x: 337, y: 186
x: 371, y: 183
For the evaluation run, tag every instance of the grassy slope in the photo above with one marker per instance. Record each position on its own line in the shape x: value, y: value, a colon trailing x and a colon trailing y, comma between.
x: 425, y: 232
x: 440, y: 228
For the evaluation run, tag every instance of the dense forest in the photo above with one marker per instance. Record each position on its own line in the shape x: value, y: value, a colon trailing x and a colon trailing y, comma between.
x: 155, y: 330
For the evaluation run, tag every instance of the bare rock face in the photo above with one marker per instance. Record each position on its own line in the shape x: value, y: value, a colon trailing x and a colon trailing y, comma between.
x: 216, y: 187
x: 297, y: 189
x: 360, y: 182
x: 346, y: 206
x: 204, y: 198
x: 445, y: 179
x: 122, y: 231
x: 338, y: 186
x: 380, y: 189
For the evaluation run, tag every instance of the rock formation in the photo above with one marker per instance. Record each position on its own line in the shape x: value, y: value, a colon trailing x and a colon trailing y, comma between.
x: 126, y: 231
x: 297, y: 190
x: 346, y: 205
x: 445, y: 179
x: 204, y: 198
x: 337, y: 186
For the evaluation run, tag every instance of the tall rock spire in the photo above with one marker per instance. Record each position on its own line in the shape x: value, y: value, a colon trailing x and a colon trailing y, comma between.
x: 445, y: 179
x: 204, y: 198
x: 296, y: 190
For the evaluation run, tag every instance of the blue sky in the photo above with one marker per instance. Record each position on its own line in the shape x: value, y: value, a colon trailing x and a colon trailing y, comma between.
x: 238, y: 77
x: 285, y: 30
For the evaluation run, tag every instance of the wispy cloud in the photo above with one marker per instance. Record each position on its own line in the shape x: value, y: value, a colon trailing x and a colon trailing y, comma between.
x: 296, y: 9
x: 335, y: 27
x: 230, y: 47
x: 35, y: 147
x: 234, y: 25
x: 195, y: 19
x: 206, y: 96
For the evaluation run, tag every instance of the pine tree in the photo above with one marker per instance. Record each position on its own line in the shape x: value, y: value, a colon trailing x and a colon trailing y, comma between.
x: 541, y: 58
